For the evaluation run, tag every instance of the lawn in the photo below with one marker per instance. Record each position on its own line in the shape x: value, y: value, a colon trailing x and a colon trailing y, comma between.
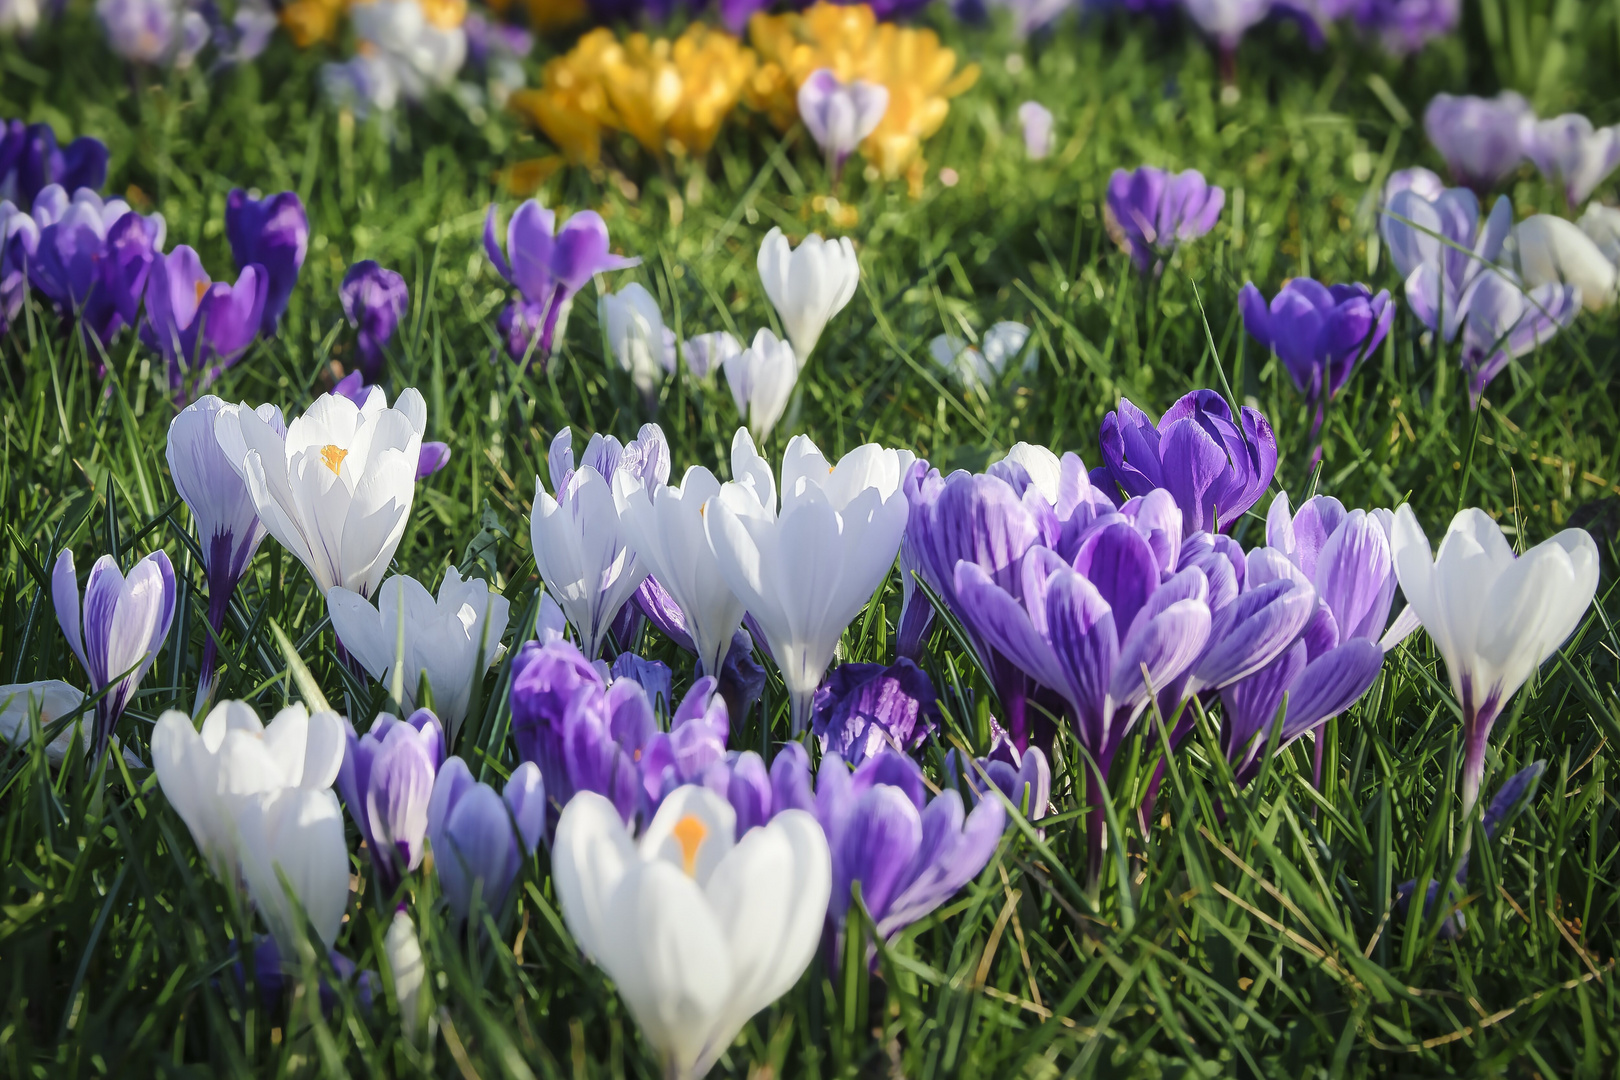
x: 1251, y: 931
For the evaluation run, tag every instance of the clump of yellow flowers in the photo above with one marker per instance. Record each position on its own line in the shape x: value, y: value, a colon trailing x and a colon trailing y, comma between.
x: 920, y: 73
x: 671, y: 96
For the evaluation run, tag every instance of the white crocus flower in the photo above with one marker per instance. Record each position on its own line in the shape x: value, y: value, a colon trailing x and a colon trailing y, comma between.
x: 337, y: 489
x: 978, y: 366
x: 257, y: 799
x: 51, y: 699
x: 807, y: 285
x: 635, y: 333
x: 1553, y: 251
x: 1601, y: 224
x: 805, y: 570
x: 582, y: 550
x: 698, y: 931
x: 403, y: 954
x: 453, y: 640
x: 1045, y: 469
x: 665, y: 525
x: 1494, y: 616
x: 761, y: 378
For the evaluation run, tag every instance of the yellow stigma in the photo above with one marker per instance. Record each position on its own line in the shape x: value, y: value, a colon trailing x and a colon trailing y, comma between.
x: 202, y: 287
x: 689, y: 832
x: 332, y: 455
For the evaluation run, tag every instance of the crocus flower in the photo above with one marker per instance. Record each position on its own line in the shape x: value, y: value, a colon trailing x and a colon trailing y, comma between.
x: 423, y: 45
x: 1478, y: 137
x: 863, y: 709
x: 386, y: 781
x: 1423, y: 182
x: 337, y: 489
x: 1151, y: 212
x: 1493, y: 616
x: 374, y: 300
x: 707, y: 353
x: 693, y: 751
x: 805, y: 569
x: 92, y: 260
x: 666, y: 528
x: 1601, y: 224
x: 807, y: 285
x: 480, y: 839
x: 1320, y: 333
x: 1036, y: 121
x: 1506, y: 320
x: 228, y: 527
x: 548, y: 266
x: 452, y: 640
x: 1406, y: 26
x: 1570, y: 152
x: 1106, y: 642
x: 19, y: 241
x: 1025, y: 778
x: 272, y: 233
x: 153, y: 31
x: 910, y: 853
x: 581, y: 548
x: 635, y: 332
x: 982, y: 365
x: 27, y: 707
x: 839, y: 115
x: 259, y: 804
x: 1443, y: 251
x: 698, y: 930
x: 653, y: 676
x: 408, y: 973
x: 125, y: 620
x: 1214, y: 467
x: 1549, y: 250
x: 200, y: 327
x: 363, y: 84
x: 1226, y: 21
x: 31, y: 161
x: 761, y: 378
x: 434, y: 455
x: 546, y: 678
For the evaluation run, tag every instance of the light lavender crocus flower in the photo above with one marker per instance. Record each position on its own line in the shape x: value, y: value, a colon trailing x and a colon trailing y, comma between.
x: 123, y: 624
x: 1036, y: 121
x: 386, y: 781
x: 228, y: 526
x: 1506, y: 320
x: 153, y: 31
x: 479, y: 839
x: 1150, y: 212
x: 839, y: 115
x: 910, y: 853
x: 1444, y: 252
x: 1571, y: 153
x: 548, y: 266
x: 1226, y: 21
x: 1478, y: 137
x: 708, y: 353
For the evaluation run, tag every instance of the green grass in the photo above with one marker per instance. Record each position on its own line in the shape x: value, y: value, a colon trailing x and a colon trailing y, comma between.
x: 1250, y: 934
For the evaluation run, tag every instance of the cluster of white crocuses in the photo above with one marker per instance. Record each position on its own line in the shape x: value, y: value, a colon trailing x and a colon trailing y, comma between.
x: 806, y: 285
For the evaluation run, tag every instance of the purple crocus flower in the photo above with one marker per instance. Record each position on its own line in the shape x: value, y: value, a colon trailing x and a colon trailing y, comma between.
x: 545, y: 680
x: 548, y: 266
x: 30, y: 161
x: 1106, y: 638
x: 1505, y: 321
x: 386, y: 781
x: 201, y: 327
x: 374, y: 300
x: 692, y: 749
x: 863, y: 708
x: 273, y: 234
x: 480, y: 839
x: 653, y: 676
x: 1319, y: 332
x: 434, y: 456
x: 1406, y: 26
x: 123, y: 624
x: 1443, y: 251
x: 1026, y: 779
x: 1150, y: 212
x: 1214, y: 467
x: 228, y: 526
x: 1478, y: 137
x: 19, y: 240
x: 839, y: 115
x: 742, y: 678
x: 1344, y: 555
x: 1570, y: 152
x: 93, y: 258
x: 909, y: 853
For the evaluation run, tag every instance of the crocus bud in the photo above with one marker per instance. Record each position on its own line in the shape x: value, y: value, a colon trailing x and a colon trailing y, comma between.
x: 635, y: 332
x: 403, y: 954
x: 1553, y: 251
x: 374, y: 300
x: 761, y: 378
x: 386, y: 781
x: 1036, y: 120
x: 839, y: 115
x: 272, y: 233
x: 476, y: 848
x: 1478, y: 137
x: 807, y: 285
x: 124, y: 623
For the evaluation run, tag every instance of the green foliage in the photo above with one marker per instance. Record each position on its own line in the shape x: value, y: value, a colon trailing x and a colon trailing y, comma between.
x: 1250, y: 933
